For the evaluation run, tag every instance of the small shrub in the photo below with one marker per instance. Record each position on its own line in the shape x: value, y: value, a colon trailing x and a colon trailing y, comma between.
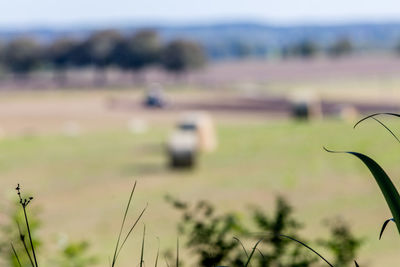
x: 211, y: 237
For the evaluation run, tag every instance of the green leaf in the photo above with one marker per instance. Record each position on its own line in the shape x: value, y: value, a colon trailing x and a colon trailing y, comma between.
x: 384, y: 227
x: 389, y: 191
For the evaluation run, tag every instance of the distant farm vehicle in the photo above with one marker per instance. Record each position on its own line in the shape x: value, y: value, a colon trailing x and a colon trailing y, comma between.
x: 155, y: 97
x: 194, y: 133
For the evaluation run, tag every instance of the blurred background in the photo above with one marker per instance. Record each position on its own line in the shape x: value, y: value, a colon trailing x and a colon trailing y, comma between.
x: 226, y: 101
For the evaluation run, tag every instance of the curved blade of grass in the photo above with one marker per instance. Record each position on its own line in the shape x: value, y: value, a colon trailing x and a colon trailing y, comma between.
x: 384, y: 226
x: 301, y: 243
x: 388, y: 190
x: 244, y: 249
x: 387, y: 128
x: 376, y: 114
x: 122, y: 226
x: 261, y: 254
x: 16, y: 255
x: 252, y: 252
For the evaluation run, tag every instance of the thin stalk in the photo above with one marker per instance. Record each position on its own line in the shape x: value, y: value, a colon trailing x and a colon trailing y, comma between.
x: 142, y: 252
x: 252, y: 252
x: 30, y: 237
x: 122, y: 225
x: 244, y: 249
x: 130, y: 231
x: 22, y: 239
x: 301, y: 243
x: 16, y: 255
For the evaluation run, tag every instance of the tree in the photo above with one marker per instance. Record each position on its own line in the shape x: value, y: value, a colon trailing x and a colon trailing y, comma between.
x: 305, y: 49
x: 341, y: 47
x: 2, y: 48
x: 138, y: 51
x: 181, y: 55
x: 99, y: 49
x: 101, y: 46
x: 22, y: 55
x: 60, y: 56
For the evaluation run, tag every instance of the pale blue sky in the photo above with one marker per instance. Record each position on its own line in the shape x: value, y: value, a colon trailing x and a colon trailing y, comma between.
x: 61, y: 12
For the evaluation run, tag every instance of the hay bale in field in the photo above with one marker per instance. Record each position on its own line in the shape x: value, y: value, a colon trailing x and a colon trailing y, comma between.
x: 202, y: 125
x: 305, y: 105
x: 348, y: 113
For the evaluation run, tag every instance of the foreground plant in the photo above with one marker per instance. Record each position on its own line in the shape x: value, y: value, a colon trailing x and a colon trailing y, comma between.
x: 24, y: 202
x: 384, y: 182
x: 216, y: 239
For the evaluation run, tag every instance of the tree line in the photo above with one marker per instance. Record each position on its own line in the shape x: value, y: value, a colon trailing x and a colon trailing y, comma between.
x: 101, y: 50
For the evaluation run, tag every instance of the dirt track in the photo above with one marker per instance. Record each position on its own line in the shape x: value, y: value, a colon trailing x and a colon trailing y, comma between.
x: 266, y: 105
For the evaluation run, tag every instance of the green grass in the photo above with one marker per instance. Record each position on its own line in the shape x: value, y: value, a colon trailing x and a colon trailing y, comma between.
x: 82, y: 183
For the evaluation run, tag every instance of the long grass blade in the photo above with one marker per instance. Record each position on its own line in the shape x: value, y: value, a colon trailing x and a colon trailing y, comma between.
x: 122, y: 226
x: 261, y: 254
x: 356, y: 264
x: 142, y: 250
x: 130, y: 230
x: 383, y: 227
x: 387, y: 128
x: 252, y: 252
x: 16, y: 255
x: 241, y: 244
x: 303, y: 244
x: 376, y: 114
x: 388, y: 190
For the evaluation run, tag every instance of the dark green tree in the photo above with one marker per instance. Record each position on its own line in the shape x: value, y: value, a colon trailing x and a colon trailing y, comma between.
x: 22, y: 55
x: 341, y: 47
x: 138, y: 51
x: 182, y: 55
x: 305, y: 49
x: 100, y: 49
x: 59, y: 55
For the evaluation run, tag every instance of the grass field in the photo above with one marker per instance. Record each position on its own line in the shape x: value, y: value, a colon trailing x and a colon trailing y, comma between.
x: 81, y: 183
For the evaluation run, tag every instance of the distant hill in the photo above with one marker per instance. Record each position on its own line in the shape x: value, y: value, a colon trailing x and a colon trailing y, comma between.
x: 226, y: 40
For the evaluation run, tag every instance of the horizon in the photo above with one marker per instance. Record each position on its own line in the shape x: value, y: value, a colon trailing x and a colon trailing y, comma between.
x: 92, y: 25
x: 25, y: 14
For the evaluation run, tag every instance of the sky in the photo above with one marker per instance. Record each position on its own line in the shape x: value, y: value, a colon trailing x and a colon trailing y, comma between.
x: 58, y: 13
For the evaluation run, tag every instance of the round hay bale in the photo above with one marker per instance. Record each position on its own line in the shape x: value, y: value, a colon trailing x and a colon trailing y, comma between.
x: 348, y: 113
x: 202, y: 125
